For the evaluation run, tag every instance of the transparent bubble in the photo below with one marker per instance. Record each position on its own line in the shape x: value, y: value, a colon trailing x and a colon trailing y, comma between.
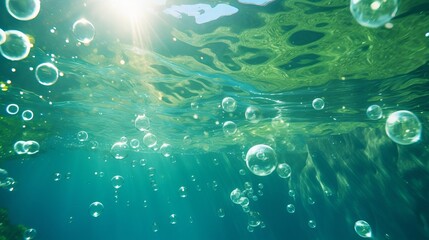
x: 229, y: 128
x: 16, y: 47
x: 173, y: 219
x: 82, y: 136
x: 117, y: 181
x: 250, y: 228
x: 312, y: 223
x: 84, y: 31
x: 150, y: 140
x: 123, y: 139
x: 27, y: 115
x: 47, y: 74
x: 12, y: 109
x: 155, y: 227
x: 96, y: 209
x: 229, y: 104
x: 260, y: 185
x: 244, y: 201
x: 23, y: 10
x: 374, y: 112
x: 261, y: 160
x: 363, y: 229
x: 119, y: 150
x: 254, y: 219
x: 284, y: 170
x: 253, y: 114
x: 290, y: 208
x: 143, y: 162
x: 142, y: 123
x: 403, y: 127
x: 373, y: 13
x: 166, y: 150
x: 242, y: 172
x: 183, y: 192
x: 9, y: 184
x: 318, y: 104
x: 2, y: 36
x: 19, y: 147
x: 31, y: 147
x: 57, y: 177
x: 311, y: 201
x: 134, y: 143
x: 292, y: 193
x: 236, y: 196
x: 247, y: 186
x: 221, y: 213
x: 30, y: 234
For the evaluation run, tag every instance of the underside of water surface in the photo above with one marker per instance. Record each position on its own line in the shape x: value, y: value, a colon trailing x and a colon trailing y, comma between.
x: 249, y: 119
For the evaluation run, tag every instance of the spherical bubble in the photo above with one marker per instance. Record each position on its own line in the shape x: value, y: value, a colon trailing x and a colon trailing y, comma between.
x: 142, y: 123
x: 23, y: 10
x: 95, y: 209
x: 82, y: 136
x: 173, y: 219
x: 183, y: 192
x: 134, y: 143
x: 318, y: 104
x: 229, y: 104
x: 165, y: 149
x: 57, y: 177
x: 16, y: 47
x: 312, y: 223
x: 117, y: 181
x: 283, y: 170
x: 150, y: 140
x: 363, y: 229
x: 221, y: 213
x: 119, y: 150
x: 261, y: 160
x: 253, y: 114
x: 403, y: 127
x: 31, y: 147
x: 47, y: 74
x: 290, y: 208
x: 373, y: 13
x: 12, y: 109
x: 254, y: 219
x: 84, y: 31
x: 236, y: 196
x: 229, y: 128
x: 244, y: 202
x: 374, y: 112
x: 2, y: 36
x: 30, y: 234
x: 27, y: 115
x: 19, y: 147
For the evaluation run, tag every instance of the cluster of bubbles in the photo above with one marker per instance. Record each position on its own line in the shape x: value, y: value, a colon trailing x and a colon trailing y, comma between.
x: 373, y: 13
x: 26, y: 147
x: 96, y: 209
x: 403, y: 127
x: 363, y: 229
x: 261, y: 160
x: 241, y: 198
x: 13, y: 109
x: 6, y: 182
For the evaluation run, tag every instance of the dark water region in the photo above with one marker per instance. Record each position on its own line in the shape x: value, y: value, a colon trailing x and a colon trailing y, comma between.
x: 249, y: 119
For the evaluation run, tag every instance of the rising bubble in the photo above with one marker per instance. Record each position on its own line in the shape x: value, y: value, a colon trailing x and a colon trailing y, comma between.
x: 12, y: 109
x: 23, y: 10
x: 290, y: 208
x: 95, y: 209
x: 403, y: 127
x: 229, y: 128
x: 283, y: 170
x: 47, y: 74
x: 2, y: 36
x: 261, y: 160
x: 134, y: 143
x: 254, y: 219
x: 183, y: 192
x: 318, y: 104
x: 373, y: 13
x: 27, y: 115
x: 20, y: 148
x: 82, y: 136
x: 165, y: 149
x: 117, y: 181
x: 84, y: 31
x: 119, y: 150
x: 16, y: 47
x: 374, y: 112
x: 229, y: 104
x: 173, y: 219
x: 31, y: 147
x: 150, y: 140
x: 30, y: 234
x: 363, y: 229
x: 236, y: 196
x: 253, y: 114
x: 142, y: 123
x: 312, y: 223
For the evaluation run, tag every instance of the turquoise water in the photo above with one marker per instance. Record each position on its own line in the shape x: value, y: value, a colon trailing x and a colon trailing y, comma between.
x: 215, y: 120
